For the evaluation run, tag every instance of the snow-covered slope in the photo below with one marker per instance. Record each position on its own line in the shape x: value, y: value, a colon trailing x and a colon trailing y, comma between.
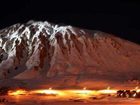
x: 45, y: 50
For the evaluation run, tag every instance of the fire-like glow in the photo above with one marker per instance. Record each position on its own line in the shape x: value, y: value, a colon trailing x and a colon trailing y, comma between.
x: 17, y: 92
x: 49, y: 91
x: 137, y: 89
x: 107, y: 91
x: 45, y: 92
x: 85, y: 88
x: 84, y: 93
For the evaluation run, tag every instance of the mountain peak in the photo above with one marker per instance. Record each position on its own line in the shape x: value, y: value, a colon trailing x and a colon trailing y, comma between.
x: 46, y: 50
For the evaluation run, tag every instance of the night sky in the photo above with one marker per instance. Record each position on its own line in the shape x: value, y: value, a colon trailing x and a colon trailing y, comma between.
x: 120, y: 17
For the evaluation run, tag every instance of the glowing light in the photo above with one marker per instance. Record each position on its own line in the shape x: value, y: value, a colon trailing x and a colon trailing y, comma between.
x: 108, y: 88
x: 134, y: 95
x: 17, y: 92
x: 85, y: 88
x: 107, y: 91
x: 45, y: 92
x: 49, y: 91
x: 137, y: 89
x: 50, y: 88
x: 83, y: 93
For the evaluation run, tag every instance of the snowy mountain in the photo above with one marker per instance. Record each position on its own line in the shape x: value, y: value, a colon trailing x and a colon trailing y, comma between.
x: 45, y: 50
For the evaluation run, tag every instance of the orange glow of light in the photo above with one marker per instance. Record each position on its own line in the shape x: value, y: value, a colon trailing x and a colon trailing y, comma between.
x: 84, y: 92
x: 107, y: 91
x: 85, y: 88
x: 17, y: 92
x: 45, y: 91
x: 49, y: 91
x: 50, y: 88
x: 66, y: 93
x: 137, y: 89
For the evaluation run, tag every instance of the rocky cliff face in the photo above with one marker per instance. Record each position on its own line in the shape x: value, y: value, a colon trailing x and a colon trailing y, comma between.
x: 45, y: 50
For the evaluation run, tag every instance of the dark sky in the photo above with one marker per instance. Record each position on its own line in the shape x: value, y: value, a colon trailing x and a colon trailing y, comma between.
x: 119, y: 17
